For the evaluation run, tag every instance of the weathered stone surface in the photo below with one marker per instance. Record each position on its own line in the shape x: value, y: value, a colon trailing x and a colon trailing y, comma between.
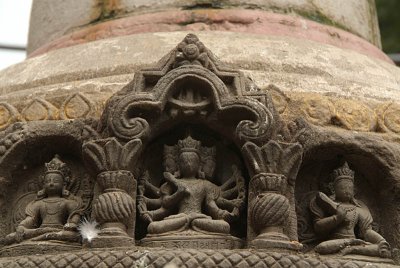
x: 50, y: 20
x: 356, y: 16
x: 285, y: 62
x: 231, y: 20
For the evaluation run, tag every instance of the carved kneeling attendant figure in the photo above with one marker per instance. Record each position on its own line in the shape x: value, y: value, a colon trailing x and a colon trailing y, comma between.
x: 344, y: 222
x: 54, y: 214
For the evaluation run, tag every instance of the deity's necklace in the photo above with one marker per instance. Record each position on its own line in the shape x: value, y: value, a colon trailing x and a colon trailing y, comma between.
x: 353, y: 219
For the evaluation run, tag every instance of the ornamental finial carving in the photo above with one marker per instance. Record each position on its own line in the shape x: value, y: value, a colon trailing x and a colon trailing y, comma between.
x: 191, y: 51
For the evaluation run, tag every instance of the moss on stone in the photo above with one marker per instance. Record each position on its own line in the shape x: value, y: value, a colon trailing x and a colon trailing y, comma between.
x: 318, y: 16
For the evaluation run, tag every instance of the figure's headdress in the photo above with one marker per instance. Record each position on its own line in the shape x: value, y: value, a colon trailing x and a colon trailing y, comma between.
x: 58, y: 166
x: 343, y: 173
x: 189, y: 145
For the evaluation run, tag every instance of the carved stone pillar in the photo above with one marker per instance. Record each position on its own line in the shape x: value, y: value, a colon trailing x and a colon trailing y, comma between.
x: 115, y: 207
x: 272, y: 217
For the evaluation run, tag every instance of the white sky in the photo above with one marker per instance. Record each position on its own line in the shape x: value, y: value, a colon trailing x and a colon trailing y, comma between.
x: 14, y: 25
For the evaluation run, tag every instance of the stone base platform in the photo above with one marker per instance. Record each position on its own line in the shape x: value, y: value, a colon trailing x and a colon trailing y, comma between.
x: 38, y: 247
x: 198, y: 241
x: 159, y: 257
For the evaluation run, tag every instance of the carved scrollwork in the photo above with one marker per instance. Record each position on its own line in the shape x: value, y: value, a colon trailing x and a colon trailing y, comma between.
x: 11, y: 136
x: 188, y: 82
x: 129, y: 128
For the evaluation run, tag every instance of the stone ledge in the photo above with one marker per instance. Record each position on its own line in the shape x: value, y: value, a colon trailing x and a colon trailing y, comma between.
x: 358, y: 16
x: 234, y: 20
x: 159, y: 257
x: 282, y: 61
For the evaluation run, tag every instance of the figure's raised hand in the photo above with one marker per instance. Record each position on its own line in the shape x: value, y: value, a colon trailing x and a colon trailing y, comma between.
x: 146, y: 217
x: 173, y: 180
x: 340, y: 214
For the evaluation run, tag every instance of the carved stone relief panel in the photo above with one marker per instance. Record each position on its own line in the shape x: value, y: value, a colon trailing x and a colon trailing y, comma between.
x: 326, y: 203
x: 192, y: 191
x: 191, y: 154
x: 46, y: 188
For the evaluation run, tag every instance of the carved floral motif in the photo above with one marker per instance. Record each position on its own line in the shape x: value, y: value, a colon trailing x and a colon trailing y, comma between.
x: 8, y: 115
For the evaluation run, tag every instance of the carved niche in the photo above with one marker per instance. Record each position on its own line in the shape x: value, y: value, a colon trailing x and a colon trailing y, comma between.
x: 177, y: 131
x: 343, y: 202
x: 45, y: 188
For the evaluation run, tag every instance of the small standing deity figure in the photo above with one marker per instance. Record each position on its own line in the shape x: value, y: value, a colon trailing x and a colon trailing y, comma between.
x: 188, y: 202
x: 344, y: 222
x: 55, y: 213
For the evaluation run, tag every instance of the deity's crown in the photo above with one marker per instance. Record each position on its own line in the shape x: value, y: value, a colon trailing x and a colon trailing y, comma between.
x: 189, y: 145
x: 343, y: 172
x: 58, y: 166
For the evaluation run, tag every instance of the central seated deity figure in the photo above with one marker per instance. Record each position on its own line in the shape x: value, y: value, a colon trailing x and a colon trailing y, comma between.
x: 188, y: 201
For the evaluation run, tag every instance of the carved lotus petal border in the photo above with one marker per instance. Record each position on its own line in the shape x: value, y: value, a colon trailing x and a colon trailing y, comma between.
x: 76, y: 106
x: 39, y: 109
x: 8, y: 115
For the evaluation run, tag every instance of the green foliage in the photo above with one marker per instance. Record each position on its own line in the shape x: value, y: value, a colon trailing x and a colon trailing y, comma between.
x: 389, y: 24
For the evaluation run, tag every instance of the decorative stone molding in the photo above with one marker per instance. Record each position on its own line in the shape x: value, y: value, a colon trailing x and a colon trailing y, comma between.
x: 39, y: 109
x: 8, y: 115
x: 181, y: 257
x: 193, y: 64
x: 76, y: 106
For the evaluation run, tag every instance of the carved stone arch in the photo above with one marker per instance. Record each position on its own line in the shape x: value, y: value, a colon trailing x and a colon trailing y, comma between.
x: 139, y: 106
x: 187, y: 87
x: 20, y: 137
